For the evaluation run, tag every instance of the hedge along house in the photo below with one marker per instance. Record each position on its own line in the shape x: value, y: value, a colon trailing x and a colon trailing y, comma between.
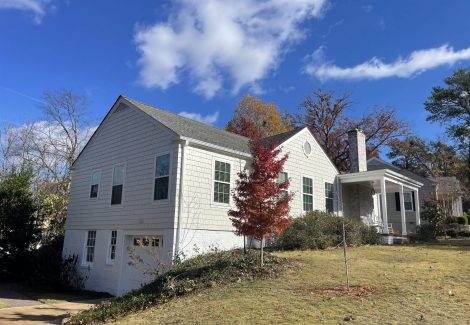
x: 151, y: 178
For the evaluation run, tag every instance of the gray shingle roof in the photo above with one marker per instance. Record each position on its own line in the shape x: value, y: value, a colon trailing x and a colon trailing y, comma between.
x: 282, y: 137
x: 187, y: 127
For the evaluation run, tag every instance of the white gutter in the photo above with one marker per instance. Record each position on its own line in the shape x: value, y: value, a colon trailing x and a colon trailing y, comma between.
x: 180, y: 198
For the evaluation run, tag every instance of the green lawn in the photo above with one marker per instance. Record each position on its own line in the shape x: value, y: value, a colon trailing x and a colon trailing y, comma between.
x: 403, y: 284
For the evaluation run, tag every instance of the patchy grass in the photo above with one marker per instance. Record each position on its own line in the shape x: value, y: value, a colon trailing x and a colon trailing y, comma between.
x: 213, y: 270
x: 400, y: 285
x: 2, y: 304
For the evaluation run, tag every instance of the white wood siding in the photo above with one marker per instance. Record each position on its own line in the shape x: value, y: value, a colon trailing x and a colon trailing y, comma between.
x: 317, y: 166
x: 126, y: 137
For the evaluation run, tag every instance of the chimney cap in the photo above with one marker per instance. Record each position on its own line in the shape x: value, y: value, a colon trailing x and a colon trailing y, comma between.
x: 355, y: 130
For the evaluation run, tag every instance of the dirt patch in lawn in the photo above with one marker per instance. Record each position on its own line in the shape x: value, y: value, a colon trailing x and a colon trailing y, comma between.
x: 342, y: 291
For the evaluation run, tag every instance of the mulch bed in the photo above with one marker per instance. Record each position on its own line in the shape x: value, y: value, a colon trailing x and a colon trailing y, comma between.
x: 342, y: 291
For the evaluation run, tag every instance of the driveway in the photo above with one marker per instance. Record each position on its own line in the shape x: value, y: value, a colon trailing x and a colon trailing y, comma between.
x: 23, y: 310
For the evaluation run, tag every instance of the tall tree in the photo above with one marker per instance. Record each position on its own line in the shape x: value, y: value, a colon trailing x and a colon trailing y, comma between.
x: 254, y: 114
x: 434, y: 158
x: 19, y: 224
x: 49, y: 147
x: 326, y: 117
x: 450, y: 106
x: 262, y: 203
x: 411, y: 154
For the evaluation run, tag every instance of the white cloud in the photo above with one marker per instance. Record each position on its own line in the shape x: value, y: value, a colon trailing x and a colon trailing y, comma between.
x: 417, y: 62
x: 37, y: 7
x: 207, y: 119
x: 218, y: 42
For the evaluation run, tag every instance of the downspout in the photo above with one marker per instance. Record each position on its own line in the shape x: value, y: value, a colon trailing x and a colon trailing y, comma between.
x: 184, y: 143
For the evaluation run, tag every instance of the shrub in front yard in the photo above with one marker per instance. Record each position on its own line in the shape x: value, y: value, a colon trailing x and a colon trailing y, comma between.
x: 320, y: 230
x: 48, y: 269
x: 425, y: 233
x: 203, y: 271
x: 462, y: 220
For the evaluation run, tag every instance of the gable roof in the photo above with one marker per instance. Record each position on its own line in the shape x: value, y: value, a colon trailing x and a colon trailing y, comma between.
x: 379, y: 162
x: 281, y: 137
x: 189, y: 128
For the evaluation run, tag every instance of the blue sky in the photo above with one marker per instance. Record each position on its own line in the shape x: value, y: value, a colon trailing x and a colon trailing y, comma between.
x: 200, y: 57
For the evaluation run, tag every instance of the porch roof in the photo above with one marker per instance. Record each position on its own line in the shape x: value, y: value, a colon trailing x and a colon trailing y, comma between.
x: 375, y: 175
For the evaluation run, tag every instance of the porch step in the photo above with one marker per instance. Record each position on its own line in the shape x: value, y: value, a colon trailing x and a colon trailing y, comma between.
x: 394, y: 240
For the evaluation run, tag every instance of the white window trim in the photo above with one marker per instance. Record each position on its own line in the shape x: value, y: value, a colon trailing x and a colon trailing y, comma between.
x: 110, y: 261
x: 169, y: 176
x: 324, y: 194
x: 411, y: 197
x: 85, y: 242
x: 302, y: 191
x: 218, y: 204
x: 91, y: 184
x: 123, y: 184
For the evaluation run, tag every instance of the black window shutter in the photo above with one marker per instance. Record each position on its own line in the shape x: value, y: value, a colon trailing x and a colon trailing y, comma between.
x: 397, y: 201
x: 413, y: 198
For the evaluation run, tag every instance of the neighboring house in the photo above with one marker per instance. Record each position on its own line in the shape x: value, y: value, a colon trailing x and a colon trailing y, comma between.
x: 148, y: 173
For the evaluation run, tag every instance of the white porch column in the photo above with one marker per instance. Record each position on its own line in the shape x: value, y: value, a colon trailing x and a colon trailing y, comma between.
x: 383, y: 195
x: 418, y: 213
x: 402, y: 211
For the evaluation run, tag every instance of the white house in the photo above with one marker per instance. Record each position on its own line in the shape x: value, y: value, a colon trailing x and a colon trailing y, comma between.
x: 149, y: 173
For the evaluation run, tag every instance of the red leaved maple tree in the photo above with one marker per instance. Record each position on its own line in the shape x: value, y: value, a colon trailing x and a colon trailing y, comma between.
x: 262, y: 203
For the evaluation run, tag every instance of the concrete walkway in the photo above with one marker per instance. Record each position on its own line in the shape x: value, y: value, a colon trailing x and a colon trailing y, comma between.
x: 21, y: 309
x: 43, y: 313
x: 14, y: 299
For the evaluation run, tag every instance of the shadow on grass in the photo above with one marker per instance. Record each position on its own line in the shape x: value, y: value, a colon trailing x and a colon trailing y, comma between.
x: 447, y: 244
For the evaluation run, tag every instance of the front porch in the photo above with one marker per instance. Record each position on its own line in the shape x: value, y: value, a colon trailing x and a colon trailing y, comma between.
x: 364, y: 196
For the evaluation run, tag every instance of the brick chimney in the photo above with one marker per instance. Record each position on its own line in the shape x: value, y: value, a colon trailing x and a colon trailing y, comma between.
x: 357, y: 151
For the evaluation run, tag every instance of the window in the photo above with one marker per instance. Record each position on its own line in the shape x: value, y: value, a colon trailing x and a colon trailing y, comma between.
x: 118, y: 182
x: 282, y: 177
x: 408, y: 199
x: 90, y: 246
x: 329, y: 197
x: 162, y: 177
x: 112, y: 245
x: 307, y: 148
x: 95, y: 183
x: 146, y: 241
x: 222, y: 182
x: 307, y: 191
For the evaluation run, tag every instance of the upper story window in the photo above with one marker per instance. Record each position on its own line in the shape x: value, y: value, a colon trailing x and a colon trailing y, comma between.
x: 222, y: 182
x: 329, y: 197
x: 408, y: 199
x: 119, y: 174
x: 307, y: 193
x: 90, y: 246
x: 162, y: 177
x: 95, y: 183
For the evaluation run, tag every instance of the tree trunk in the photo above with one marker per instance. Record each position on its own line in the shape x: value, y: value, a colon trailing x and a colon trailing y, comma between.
x: 261, y: 252
x: 345, y: 254
x: 244, y: 244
